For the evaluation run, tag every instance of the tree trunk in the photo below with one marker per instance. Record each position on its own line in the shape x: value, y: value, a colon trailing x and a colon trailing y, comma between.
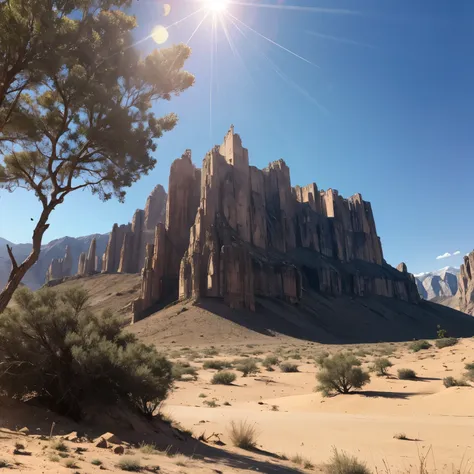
x: 19, y: 271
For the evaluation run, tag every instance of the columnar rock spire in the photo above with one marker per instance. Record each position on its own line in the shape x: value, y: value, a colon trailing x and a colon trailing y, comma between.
x: 236, y: 232
x: 465, y: 292
x: 60, y: 267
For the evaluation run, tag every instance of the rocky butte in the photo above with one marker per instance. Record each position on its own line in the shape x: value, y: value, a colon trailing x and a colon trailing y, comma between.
x: 465, y: 294
x: 239, y: 233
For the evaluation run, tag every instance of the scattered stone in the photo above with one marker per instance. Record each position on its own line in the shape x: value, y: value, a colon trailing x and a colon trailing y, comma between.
x: 102, y: 444
x: 24, y: 431
x: 111, y: 438
x: 119, y: 450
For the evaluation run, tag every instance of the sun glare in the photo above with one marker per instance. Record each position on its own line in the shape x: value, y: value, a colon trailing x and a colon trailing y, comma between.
x: 216, y: 5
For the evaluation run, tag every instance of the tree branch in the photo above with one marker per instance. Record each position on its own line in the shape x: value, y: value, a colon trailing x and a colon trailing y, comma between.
x: 12, y: 257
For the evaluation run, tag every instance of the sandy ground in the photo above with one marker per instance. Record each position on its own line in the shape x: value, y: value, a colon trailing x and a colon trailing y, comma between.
x: 293, y: 419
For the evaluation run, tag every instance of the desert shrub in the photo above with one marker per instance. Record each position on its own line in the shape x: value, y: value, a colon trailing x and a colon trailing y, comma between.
x: 217, y: 364
x: 270, y: 361
x: 54, y: 346
x: 243, y: 435
x: 223, y: 378
x: 4, y: 464
x: 180, y: 369
x: 211, y: 403
x: 247, y: 367
x: 340, y: 374
x: 406, y: 374
x: 59, y: 445
x: 452, y: 382
x: 96, y: 462
x: 129, y: 464
x: 148, y: 448
x: 419, y: 345
x: 287, y: 367
x: 380, y: 366
x: 71, y: 464
x: 210, y: 351
x: 441, y: 333
x: 401, y: 436
x: 321, y: 357
x: 446, y: 342
x: 342, y: 463
x: 470, y: 371
x: 301, y: 461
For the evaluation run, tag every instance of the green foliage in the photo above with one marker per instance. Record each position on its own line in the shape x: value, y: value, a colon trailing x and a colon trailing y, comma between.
x: 441, y: 333
x: 223, y: 378
x: 270, y: 361
x: 287, y: 367
x: 342, y: 463
x: 211, y: 403
x: 247, y: 367
x: 129, y: 464
x: 340, y: 374
x: 446, y: 342
x: 96, y: 462
x: 210, y: 351
x: 217, y: 364
x: 406, y: 374
x: 59, y: 445
x: 54, y: 346
x: 419, y: 345
x: 76, y: 103
x: 380, y: 366
x: 452, y: 382
x: 182, y: 369
x: 470, y: 371
x: 243, y: 435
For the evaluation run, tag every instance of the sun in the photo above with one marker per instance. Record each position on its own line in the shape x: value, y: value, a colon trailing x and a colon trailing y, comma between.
x: 216, y: 5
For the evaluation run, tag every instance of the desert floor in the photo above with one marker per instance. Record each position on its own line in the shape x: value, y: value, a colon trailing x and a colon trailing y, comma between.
x: 297, y: 428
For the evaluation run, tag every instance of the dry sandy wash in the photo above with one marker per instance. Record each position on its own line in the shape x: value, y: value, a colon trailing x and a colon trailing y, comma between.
x: 297, y: 428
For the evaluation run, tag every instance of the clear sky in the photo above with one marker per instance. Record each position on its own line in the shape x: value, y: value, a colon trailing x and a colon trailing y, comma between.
x: 383, y: 105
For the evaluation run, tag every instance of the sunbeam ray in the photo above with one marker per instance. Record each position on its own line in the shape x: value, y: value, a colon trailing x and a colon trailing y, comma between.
x: 283, y: 76
x: 334, y: 11
x: 339, y: 39
x: 185, y: 18
x: 211, y: 82
x: 271, y: 41
x: 197, y: 27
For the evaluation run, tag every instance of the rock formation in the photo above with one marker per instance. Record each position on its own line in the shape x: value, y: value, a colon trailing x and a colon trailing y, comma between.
x: 125, y: 250
x: 465, y: 292
x: 60, y: 267
x: 88, y: 262
x: 438, y: 284
x: 246, y: 233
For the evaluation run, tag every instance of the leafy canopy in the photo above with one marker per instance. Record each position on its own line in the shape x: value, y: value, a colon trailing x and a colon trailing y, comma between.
x: 53, y: 346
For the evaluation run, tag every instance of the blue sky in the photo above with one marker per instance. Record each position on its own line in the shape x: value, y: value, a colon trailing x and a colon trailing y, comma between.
x: 386, y: 109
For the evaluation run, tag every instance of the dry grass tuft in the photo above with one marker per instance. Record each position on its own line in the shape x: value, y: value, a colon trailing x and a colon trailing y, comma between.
x: 243, y: 435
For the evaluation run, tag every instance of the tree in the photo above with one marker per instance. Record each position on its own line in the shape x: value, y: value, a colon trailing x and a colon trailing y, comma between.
x: 84, y: 119
x: 340, y: 374
x: 53, y: 346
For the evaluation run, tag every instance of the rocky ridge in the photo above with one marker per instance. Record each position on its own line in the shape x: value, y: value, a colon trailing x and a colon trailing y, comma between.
x: 438, y: 284
x: 465, y: 294
x: 235, y: 232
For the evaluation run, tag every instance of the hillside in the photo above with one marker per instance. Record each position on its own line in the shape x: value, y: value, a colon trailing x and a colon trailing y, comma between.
x: 318, y: 318
x: 441, y: 283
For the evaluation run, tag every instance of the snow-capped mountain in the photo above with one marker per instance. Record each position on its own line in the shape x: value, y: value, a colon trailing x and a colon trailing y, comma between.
x: 443, y: 282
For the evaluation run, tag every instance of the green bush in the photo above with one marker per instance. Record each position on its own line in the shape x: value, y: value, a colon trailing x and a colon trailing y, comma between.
x: 247, y: 367
x: 287, y: 367
x: 270, y: 361
x: 452, y: 382
x: 441, y: 333
x: 446, y: 342
x: 419, y: 345
x: 340, y: 374
x: 52, y: 345
x: 130, y: 464
x: 470, y: 371
x: 223, y: 378
x: 217, y: 364
x: 180, y: 369
x: 380, y: 366
x: 342, y: 463
x: 406, y: 374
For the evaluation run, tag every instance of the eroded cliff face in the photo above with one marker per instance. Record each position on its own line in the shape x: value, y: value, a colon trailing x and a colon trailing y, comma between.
x: 60, y: 267
x: 251, y: 234
x: 465, y: 292
x: 126, y: 247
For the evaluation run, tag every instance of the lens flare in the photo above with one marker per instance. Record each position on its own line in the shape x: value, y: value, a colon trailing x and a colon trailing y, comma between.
x: 159, y: 34
x: 216, y: 5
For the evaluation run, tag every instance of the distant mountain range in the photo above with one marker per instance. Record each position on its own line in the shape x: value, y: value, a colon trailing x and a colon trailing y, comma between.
x: 440, y: 283
x: 35, y: 278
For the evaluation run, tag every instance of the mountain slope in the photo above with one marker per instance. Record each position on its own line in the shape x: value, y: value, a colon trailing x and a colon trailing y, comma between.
x: 441, y: 283
x: 54, y: 249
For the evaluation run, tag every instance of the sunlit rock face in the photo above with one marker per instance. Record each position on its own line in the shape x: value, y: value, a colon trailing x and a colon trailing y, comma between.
x: 236, y: 232
x: 465, y: 292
